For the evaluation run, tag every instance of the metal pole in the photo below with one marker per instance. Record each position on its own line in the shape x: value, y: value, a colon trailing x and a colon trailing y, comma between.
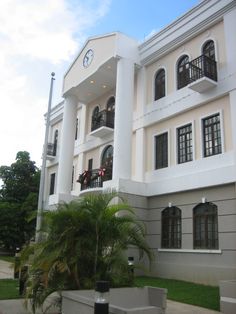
x: 43, y: 169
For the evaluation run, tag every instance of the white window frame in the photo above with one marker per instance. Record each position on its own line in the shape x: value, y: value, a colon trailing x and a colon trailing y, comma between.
x: 220, y: 112
x: 192, y: 122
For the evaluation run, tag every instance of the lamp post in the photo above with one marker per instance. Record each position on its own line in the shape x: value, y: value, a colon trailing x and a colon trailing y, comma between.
x: 101, y: 305
x: 43, y: 169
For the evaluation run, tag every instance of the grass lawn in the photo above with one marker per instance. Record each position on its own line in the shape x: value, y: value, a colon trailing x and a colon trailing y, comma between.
x: 185, y: 292
x: 9, y: 289
x: 10, y: 259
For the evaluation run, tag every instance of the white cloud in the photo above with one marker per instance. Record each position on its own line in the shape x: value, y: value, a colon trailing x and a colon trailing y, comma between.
x: 36, y: 38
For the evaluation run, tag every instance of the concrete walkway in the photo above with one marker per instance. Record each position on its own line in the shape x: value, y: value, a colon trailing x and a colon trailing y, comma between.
x: 17, y: 306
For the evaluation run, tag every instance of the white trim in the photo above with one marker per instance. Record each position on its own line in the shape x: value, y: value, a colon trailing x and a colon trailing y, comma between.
x: 154, y: 151
x: 220, y: 112
x: 228, y: 300
x: 176, y: 141
x: 215, y: 46
x: 190, y: 251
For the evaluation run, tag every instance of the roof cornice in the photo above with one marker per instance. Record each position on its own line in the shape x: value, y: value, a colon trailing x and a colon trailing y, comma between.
x: 195, y: 21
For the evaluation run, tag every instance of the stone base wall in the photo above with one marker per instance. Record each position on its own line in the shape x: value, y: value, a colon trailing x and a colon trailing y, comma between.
x: 187, y: 263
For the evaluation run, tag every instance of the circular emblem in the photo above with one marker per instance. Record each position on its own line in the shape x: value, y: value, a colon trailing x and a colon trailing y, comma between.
x: 88, y: 58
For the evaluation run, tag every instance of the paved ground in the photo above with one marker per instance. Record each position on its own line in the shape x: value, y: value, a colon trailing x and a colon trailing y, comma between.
x: 17, y: 306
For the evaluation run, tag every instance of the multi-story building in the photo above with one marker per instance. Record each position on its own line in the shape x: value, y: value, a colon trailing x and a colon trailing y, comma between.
x: 156, y: 121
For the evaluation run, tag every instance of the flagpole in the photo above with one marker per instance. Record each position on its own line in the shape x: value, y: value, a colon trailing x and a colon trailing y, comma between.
x: 43, y: 169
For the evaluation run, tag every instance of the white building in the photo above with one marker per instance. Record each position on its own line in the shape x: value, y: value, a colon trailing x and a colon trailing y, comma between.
x: 156, y: 121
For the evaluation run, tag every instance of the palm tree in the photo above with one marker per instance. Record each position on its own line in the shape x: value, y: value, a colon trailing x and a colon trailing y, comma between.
x: 84, y: 241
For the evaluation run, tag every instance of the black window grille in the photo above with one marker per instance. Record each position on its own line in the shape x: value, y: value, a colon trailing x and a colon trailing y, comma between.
x: 160, y: 84
x: 212, y: 135
x: 171, y: 228
x: 161, y: 151
x: 209, y: 50
x: 52, y: 183
x: 183, y: 72
x: 111, y: 104
x: 185, y: 144
x: 76, y: 129
x: 205, y: 226
x: 55, y: 143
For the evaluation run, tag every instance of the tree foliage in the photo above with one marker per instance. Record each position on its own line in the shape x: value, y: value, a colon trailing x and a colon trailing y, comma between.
x: 18, y: 201
x: 84, y: 241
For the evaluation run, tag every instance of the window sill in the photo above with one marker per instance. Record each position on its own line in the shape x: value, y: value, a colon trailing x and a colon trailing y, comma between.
x: 190, y: 251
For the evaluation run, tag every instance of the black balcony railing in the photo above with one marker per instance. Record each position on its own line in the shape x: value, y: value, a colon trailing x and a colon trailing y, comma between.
x: 51, y: 150
x: 94, y: 178
x: 196, y: 69
x: 103, y: 118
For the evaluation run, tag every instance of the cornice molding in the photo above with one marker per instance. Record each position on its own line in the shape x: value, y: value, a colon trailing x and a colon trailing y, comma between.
x: 188, y: 31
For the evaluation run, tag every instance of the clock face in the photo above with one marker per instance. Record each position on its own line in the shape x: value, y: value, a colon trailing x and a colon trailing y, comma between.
x: 88, y: 58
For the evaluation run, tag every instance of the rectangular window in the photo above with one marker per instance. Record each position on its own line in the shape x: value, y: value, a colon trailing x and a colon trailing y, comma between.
x: 52, y: 183
x: 76, y: 129
x: 73, y: 175
x: 185, y: 145
x: 212, y: 135
x: 161, y: 151
x: 90, y: 164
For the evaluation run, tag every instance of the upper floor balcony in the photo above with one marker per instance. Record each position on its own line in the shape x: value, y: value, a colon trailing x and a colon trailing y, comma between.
x: 51, y: 151
x: 200, y: 74
x: 102, y: 123
x: 94, y: 178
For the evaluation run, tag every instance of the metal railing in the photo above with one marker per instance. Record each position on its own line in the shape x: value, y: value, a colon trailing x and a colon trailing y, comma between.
x: 192, y: 71
x: 103, y: 118
x: 51, y: 149
x: 94, y: 180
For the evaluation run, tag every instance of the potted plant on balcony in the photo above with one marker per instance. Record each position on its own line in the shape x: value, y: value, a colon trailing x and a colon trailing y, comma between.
x: 85, y: 177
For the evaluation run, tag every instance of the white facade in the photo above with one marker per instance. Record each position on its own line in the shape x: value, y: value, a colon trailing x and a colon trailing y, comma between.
x: 178, y: 151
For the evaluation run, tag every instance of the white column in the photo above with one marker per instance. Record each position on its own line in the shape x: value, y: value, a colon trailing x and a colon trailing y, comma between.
x: 67, y: 146
x: 123, y: 119
x: 232, y: 99
x: 140, y: 155
x: 230, y: 40
x: 83, y: 124
x: 141, y: 91
x: 140, y: 150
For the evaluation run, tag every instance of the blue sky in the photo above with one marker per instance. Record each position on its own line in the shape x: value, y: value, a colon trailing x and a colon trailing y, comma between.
x: 138, y: 18
x: 40, y: 37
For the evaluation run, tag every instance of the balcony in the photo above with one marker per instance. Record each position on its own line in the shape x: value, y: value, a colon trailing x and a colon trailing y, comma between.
x: 201, y: 74
x: 103, y: 123
x: 51, y: 151
x: 94, y: 178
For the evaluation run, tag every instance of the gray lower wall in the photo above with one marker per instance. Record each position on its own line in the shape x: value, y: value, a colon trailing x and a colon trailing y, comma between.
x: 205, y: 267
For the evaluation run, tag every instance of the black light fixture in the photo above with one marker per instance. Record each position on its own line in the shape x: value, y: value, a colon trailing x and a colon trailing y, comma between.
x: 101, y: 305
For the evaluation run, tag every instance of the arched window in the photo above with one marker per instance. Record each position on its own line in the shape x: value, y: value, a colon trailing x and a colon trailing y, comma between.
x: 107, y: 162
x: 205, y: 226
x: 160, y: 84
x: 171, y: 228
x: 209, y: 49
x: 111, y: 104
x: 183, y: 72
x: 55, y: 143
x: 95, y: 118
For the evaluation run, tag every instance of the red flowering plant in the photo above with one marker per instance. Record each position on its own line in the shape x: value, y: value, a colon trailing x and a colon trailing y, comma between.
x: 102, y: 171
x: 84, y: 177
